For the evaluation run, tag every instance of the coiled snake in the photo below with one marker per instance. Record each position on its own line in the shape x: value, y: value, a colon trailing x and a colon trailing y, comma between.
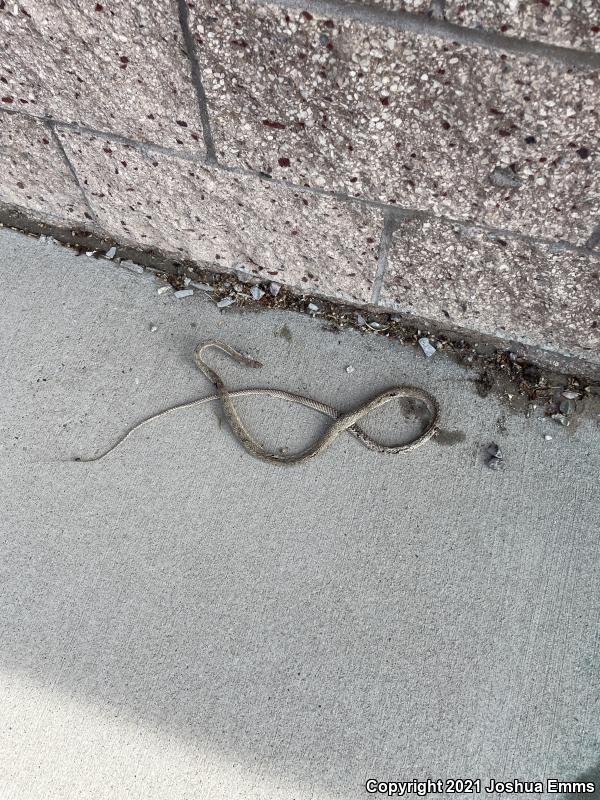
x: 342, y: 421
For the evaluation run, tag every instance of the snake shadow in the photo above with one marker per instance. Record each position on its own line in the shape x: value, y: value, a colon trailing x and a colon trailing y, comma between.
x: 591, y: 775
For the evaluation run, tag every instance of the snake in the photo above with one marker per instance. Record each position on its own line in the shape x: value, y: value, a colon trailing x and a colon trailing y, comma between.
x: 342, y: 421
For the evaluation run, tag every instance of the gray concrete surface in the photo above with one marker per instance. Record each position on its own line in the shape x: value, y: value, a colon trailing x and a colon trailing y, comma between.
x: 183, y: 621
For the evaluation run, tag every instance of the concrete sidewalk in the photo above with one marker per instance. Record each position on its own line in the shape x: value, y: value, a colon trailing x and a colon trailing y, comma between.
x: 184, y: 621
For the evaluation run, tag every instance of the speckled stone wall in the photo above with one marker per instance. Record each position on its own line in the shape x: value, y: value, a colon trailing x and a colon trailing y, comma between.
x: 433, y: 158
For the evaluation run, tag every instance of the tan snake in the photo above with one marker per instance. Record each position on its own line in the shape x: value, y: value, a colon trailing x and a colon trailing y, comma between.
x: 342, y: 421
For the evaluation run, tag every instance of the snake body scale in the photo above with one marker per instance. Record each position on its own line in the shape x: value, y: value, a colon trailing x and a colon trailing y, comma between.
x: 347, y: 421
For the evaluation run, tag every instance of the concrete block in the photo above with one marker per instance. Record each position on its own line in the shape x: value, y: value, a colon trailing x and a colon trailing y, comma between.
x: 543, y: 295
x: 574, y: 24
x: 182, y: 208
x: 35, y: 175
x: 402, y: 118
x: 114, y: 66
x: 412, y: 6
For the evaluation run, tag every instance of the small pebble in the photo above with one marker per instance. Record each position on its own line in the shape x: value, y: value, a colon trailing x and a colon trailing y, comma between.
x: 245, y: 276
x: 350, y: 369
x: 90, y: 253
x: 567, y: 407
x: 137, y: 268
x: 256, y: 292
x: 43, y: 239
x: 163, y: 289
x: 548, y: 438
x: 183, y: 293
x: 569, y: 394
x: 360, y: 320
x: 427, y: 347
x: 274, y: 288
x: 225, y: 302
x: 153, y: 328
x: 111, y: 253
x: 561, y: 419
x: 495, y: 451
x: 313, y: 307
x: 496, y: 457
x: 187, y: 281
x: 205, y: 287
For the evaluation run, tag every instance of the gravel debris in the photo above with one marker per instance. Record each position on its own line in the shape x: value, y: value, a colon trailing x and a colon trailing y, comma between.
x: 567, y: 407
x: 110, y: 254
x: 183, y: 293
x: 313, y: 307
x: 360, y: 320
x: 204, y: 287
x: 163, y: 289
x: 569, y: 394
x: 561, y: 419
x: 495, y: 456
x: 153, y: 328
x: 427, y: 347
x: 274, y: 288
x: 256, y: 292
x: 137, y: 268
x: 226, y: 301
x: 548, y: 438
x: 350, y: 369
x: 377, y: 326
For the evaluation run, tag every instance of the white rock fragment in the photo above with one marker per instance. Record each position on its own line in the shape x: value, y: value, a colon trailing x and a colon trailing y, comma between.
x: 548, y: 438
x: 274, y: 288
x: 153, y: 328
x: 137, y: 268
x: 43, y: 239
x: 163, y: 289
x: 427, y: 347
x: 313, y: 307
x: 256, y: 292
x: 90, y: 253
x: 360, y: 320
x: 204, y: 287
x: 350, y: 369
x: 226, y: 301
x: 183, y: 293
x: 110, y: 254
x: 569, y: 394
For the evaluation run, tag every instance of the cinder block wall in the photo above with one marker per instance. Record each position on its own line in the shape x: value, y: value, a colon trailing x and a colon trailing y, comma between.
x: 434, y: 158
